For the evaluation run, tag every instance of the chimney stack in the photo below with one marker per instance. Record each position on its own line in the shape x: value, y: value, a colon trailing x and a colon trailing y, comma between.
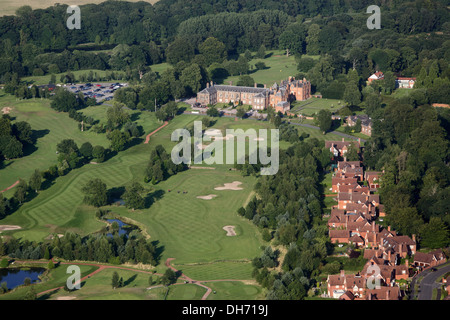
x: 342, y: 273
x: 388, y: 295
x: 414, y: 238
x: 231, y: 83
x: 343, y: 140
x: 389, y: 228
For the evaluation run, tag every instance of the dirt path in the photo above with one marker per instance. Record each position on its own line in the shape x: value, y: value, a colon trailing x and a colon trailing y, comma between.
x: 11, y: 186
x: 147, y: 139
x: 208, y: 289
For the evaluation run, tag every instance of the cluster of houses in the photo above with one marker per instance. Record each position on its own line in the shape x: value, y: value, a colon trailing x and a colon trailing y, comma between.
x: 353, y: 221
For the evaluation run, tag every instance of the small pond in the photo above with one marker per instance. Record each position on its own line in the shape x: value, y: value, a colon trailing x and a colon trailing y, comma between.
x: 15, y: 276
x: 123, y: 227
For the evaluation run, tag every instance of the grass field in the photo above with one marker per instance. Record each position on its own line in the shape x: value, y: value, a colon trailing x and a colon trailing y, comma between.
x: 49, y: 127
x: 313, y: 105
x: 234, y: 290
x: 41, y: 80
x: 9, y: 7
x: 278, y: 67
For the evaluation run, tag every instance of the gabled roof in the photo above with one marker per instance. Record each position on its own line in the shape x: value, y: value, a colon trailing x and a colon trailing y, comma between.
x: 339, y: 233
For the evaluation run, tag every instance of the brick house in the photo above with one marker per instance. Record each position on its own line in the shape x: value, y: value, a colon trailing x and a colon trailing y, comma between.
x: 339, y: 284
x: 366, y: 123
x: 347, y: 198
x: 376, y: 76
x: 404, y: 82
x: 339, y: 236
x: 336, y: 182
x: 383, y: 293
x: 430, y: 259
x: 350, y: 169
x: 373, y: 179
x: 339, y: 148
x: 402, y: 245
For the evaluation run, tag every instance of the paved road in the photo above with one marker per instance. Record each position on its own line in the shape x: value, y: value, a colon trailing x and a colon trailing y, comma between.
x: 428, y: 282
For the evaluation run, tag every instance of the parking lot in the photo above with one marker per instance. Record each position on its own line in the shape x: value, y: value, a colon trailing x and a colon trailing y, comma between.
x: 100, y: 91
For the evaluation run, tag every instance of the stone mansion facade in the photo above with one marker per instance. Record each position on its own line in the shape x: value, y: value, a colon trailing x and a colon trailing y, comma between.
x: 277, y: 96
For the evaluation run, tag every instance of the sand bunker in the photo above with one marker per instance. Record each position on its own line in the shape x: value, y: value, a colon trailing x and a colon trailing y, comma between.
x: 230, y: 231
x: 9, y: 227
x: 203, y: 146
x: 6, y: 110
x: 227, y: 137
x: 65, y: 298
x: 208, y: 197
x: 212, y: 132
x: 230, y: 186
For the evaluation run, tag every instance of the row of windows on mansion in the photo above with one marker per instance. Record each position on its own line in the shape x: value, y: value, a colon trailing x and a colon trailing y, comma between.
x: 277, y: 96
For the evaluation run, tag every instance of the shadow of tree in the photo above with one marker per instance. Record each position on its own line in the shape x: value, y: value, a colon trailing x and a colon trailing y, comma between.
x: 129, y: 280
x: 153, y: 196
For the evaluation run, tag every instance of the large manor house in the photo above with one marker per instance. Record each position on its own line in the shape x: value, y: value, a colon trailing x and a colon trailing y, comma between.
x: 277, y: 96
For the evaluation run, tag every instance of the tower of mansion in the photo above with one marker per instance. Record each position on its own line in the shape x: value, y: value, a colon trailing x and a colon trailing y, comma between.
x: 277, y: 96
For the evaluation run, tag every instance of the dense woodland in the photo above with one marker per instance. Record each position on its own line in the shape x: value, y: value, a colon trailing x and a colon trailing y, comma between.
x: 290, y: 203
x: 209, y: 40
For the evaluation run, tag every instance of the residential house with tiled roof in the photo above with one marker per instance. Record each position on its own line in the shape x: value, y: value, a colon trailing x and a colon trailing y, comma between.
x: 338, y: 284
x: 340, y: 148
x: 383, y: 293
x: 376, y: 76
x: 403, y: 245
x: 336, y: 182
x: 405, y: 82
x: 373, y: 179
x: 430, y: 259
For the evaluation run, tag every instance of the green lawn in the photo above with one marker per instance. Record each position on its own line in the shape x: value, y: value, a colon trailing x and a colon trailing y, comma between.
x: 313, y: 105
x: 41, y: 80
x: 235, y: 270
x: 278, y: 67
x: 234, y: 290
x: 50, y: 127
